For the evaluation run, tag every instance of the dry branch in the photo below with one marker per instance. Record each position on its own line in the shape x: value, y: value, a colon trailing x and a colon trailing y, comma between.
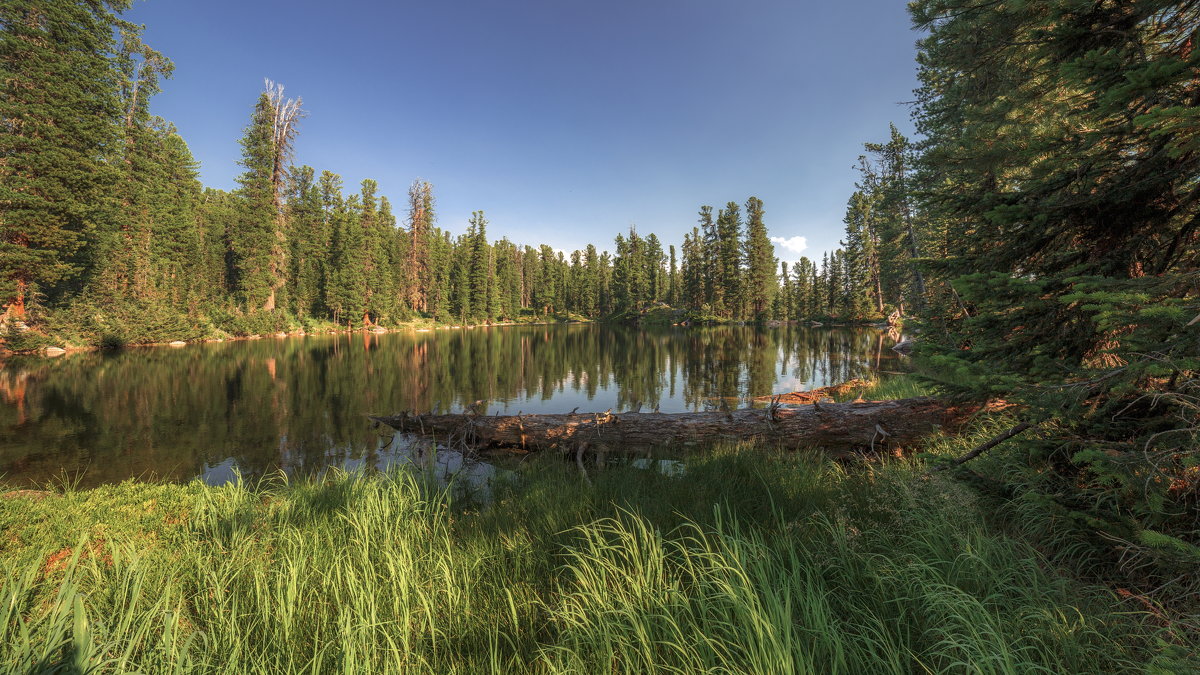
x: 988, y: 445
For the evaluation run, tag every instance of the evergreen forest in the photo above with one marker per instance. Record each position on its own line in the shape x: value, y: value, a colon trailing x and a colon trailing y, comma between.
x: 108, y: 237
x: 1038, y: 237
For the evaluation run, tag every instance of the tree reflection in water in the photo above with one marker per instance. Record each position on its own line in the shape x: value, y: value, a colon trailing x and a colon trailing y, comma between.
x: 298, y: 404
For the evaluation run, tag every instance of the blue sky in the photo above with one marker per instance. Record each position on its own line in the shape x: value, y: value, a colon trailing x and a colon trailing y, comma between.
x: 565, y: 121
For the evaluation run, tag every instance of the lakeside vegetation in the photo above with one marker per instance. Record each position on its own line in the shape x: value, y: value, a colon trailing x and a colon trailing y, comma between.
x: 103, y: 417
x: 1042, y: 233
x: 108, y: 237
x: 738, y: 558
x: 752, y: 561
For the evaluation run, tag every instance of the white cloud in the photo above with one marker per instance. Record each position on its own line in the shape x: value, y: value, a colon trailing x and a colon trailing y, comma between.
x: 796, y: 245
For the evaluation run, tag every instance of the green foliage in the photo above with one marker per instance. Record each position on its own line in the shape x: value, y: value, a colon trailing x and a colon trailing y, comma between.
x: 749, y: 561
x: 118, y: 217
x: 13, y: 339
x: 59, y: 100
x: 126, y: 322
x: 1060, y: 176
x: 252, y: 240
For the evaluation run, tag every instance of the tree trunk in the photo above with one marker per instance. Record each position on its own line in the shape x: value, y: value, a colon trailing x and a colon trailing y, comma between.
x: 16, y: 309
x: 838, y: 428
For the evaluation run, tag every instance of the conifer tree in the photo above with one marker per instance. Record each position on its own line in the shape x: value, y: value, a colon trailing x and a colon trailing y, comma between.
x: 899, y: 233
x: 862, y: 255
x: 376, y: 290
x: 253, y: 240
x: 480, y: 270
x: 285, y: 115
x: 674, y: 281
x: 420, y: 227
x: 656, y: 278
x: 344, y: 286
x: 309, y: 243
x: 729, y: 259
x: 508, y: 280
x: 1062, y: 158
x: 784, y: 301
x: 760, y: 279
x: 590, y: 300
x: 711, y: 270
x: 546, y: 286
x: 58, y: 109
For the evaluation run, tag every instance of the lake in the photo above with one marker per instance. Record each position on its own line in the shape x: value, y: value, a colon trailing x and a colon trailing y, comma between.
x: 300, y: 403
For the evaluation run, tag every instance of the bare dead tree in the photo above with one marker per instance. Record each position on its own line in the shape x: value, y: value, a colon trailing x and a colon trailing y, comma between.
x: 285, y: 118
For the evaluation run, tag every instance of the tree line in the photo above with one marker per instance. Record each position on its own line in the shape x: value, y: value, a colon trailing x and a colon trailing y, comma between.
x: 106, y: 229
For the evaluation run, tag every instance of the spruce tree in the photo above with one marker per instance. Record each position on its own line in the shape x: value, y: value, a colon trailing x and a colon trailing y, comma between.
x: 710, y: 268
x: 479, y: 269
x: 420, y: 228
x: 729, y: 260
x: 590, y: 301
x: 674, y: 281
x: 862, y: 255
x: 59, y: 107
x: 760, y: 280
x: 253, y: 240
x: 1062, y: 159
x: 309, y: 243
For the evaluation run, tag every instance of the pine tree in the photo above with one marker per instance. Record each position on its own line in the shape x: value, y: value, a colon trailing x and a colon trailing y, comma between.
x: 253, y: 240
x: 655, y: 275
x: 420, y: 227
x: 590, y: 301
x: 59, y: 106
x: 375, y: 262
x: 898, y: 233
x: 862, y: 256
x: 344, y: 285
x: 694, y: 268
x: 309, y: 243
x: 480, y: 271
x: 710, y: 268
x: 508, y: 280
x: 674, y: 281
x: 392, y: 253
x: 784, y: 300
x: 1061, y: 160
x: 729, y: 260
x: 285, y: 115
x: 545, y: 292
x: 760, y: 282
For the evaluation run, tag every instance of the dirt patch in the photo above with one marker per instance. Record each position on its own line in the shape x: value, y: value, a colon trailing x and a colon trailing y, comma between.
x: 32, y: 495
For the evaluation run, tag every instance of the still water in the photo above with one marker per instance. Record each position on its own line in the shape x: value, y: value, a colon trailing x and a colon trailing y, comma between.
x: 300, y: 404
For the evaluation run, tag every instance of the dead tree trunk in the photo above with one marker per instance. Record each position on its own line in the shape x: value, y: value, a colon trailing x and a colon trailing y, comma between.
x: 837, y: 428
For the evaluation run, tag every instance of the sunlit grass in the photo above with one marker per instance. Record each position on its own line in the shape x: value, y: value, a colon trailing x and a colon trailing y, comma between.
x: 754, y: 562
x: 887, y: 388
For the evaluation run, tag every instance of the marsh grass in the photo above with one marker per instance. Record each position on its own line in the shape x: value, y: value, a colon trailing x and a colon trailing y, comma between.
x: 753, y: 562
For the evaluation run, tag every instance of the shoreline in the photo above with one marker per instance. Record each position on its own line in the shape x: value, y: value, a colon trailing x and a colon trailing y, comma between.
x: 56, y: 351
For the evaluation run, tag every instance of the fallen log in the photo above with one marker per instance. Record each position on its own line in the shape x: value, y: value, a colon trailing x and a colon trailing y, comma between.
x: 838, y: 428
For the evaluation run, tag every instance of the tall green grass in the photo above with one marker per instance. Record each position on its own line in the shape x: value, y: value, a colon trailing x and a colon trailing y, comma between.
x: 752, y: 562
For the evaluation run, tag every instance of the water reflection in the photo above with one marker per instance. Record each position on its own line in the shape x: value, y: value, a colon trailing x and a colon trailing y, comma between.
x: 299, y: 404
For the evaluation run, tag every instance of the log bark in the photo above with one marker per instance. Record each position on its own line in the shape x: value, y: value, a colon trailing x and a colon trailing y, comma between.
x: 837, y: 428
